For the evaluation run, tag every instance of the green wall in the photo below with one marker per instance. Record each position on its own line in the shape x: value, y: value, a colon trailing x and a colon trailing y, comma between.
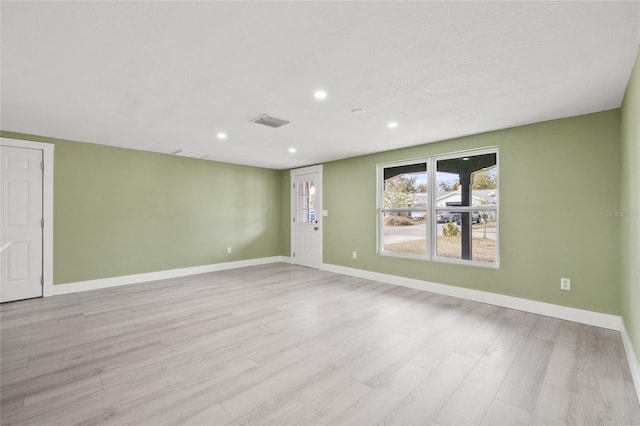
x: 286, y: 209
x: 557, y: 180
x: 630, y: 207
x: 120, y: 211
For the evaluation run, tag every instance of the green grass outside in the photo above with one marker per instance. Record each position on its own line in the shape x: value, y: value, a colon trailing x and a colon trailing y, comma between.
x: 484, y: 249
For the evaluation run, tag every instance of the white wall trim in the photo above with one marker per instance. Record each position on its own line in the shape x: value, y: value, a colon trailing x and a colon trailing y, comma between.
x: 306, y: 170
x: 612, y: 322
x: 161, y: 275
x: 634, y: 364
x: 47, y: 206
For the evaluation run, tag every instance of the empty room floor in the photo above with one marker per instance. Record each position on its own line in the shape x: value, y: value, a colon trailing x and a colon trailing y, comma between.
x: 280, y: 344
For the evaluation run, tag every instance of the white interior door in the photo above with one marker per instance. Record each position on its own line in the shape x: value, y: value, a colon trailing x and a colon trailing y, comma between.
x: 307, y: 217
x: 21, y: 222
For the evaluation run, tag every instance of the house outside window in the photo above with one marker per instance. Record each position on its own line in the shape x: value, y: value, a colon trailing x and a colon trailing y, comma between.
x: 441, y: 208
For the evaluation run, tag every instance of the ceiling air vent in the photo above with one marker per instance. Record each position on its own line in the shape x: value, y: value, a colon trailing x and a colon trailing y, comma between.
x: 270, y: 121
x: 190, y: 154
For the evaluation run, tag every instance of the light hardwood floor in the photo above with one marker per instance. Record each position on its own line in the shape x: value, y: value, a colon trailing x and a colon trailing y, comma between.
x: 280, y: 344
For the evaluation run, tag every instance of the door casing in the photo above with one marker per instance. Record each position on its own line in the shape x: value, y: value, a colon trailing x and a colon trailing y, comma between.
x: 319, y: 212
x: 47, y: 206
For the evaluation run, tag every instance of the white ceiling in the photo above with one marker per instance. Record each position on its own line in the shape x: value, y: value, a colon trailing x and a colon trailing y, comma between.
x: 163, y: 76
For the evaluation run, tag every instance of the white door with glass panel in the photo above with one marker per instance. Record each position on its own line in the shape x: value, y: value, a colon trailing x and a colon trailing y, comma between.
x: 21, y: 223
x: 306, y: 221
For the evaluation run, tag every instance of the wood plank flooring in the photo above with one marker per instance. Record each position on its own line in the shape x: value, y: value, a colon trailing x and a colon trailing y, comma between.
x: 280, y: 344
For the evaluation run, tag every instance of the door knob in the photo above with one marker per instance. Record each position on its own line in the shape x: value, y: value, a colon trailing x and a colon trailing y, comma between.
x: 315, y: 228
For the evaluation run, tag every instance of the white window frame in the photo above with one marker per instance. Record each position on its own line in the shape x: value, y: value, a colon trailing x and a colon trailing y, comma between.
x: 431, y: 208
x: 382, y: 209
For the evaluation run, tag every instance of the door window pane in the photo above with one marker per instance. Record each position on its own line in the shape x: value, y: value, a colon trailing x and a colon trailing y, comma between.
x: 305, y: 193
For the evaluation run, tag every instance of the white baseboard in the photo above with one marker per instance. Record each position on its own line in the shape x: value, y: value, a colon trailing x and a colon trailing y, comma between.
x: 161, y: 275
x: 612, y: 322
x: 634, y: 363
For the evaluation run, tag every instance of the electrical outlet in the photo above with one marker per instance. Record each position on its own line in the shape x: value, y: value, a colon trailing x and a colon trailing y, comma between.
x: 565, y: 284
x: 228, y: 250
x: 354, y: 254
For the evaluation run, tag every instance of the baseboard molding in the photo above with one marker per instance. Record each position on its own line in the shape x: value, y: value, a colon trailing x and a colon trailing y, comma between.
x: 634, y: 363
x: 161, y: 275
x: 612, y: 322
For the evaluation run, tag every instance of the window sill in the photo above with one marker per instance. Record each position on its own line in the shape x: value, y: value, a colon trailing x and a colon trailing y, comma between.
x: 437, y: 259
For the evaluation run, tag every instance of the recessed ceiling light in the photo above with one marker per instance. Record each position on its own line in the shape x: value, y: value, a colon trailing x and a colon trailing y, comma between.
x: 392, y: 124
x: 292, y: 150
x: 465, y: 159
x: 358, y: 111
x: 320, y: 95
x: 221, y: 135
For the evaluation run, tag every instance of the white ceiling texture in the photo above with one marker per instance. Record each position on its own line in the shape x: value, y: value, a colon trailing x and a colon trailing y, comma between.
x: 164, y: 76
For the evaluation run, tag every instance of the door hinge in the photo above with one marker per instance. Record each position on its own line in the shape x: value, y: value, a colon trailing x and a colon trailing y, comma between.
x: 42, y: 223
x: 294, y: 220
x: 294, y: 254
x: 42, y: 165
x: 42, y: 280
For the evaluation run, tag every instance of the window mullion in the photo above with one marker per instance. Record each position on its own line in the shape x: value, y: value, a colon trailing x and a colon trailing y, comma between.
x: 431, y: 225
